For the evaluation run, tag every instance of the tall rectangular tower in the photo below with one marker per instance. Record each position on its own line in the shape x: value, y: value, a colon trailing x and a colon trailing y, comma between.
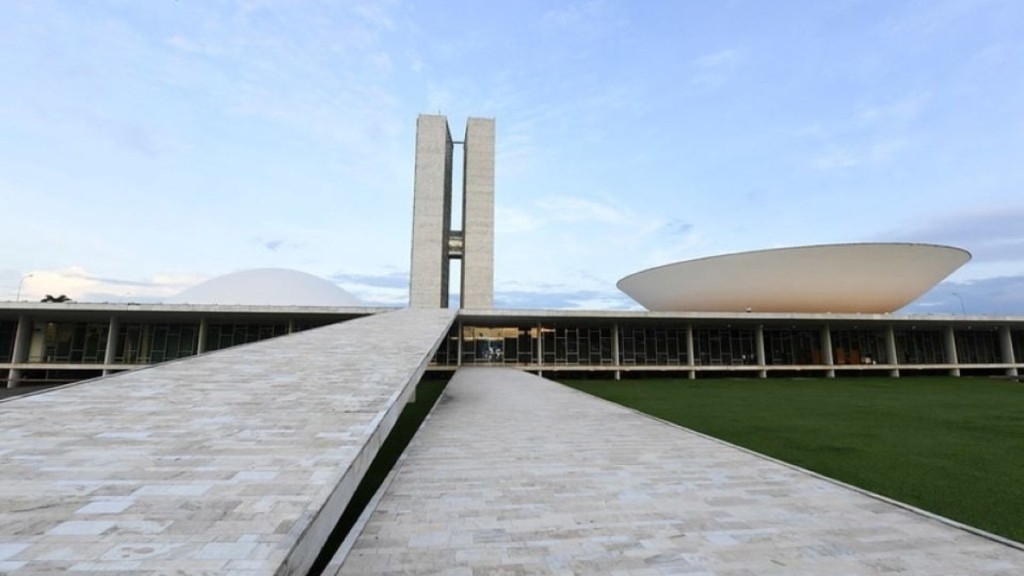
x: 431, y: 213
x: 478, y: 214
x: 434, y: 242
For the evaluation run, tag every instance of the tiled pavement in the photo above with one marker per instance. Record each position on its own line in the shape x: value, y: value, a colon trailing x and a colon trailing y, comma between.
x: 513, y: 474
x: 228, y: 463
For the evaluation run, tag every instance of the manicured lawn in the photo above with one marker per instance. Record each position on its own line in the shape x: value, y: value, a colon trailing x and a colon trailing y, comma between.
x: 954, y: 446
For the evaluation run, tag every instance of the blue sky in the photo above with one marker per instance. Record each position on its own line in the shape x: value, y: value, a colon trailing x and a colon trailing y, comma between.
x: 150, y: 145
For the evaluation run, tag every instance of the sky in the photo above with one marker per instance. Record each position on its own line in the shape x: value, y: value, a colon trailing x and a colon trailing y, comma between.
x: 148, y: 146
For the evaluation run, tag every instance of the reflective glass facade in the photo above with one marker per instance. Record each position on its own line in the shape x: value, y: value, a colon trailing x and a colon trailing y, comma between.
x: 791, y: 347
x: 924, y: 346
x: 978, y: 347
x: 72, y: 342
x: 226, y: 335
x: 8, y: 330
x: 650, y: 346
x: 859, y: 347
x: 60, y: 346
x: 139, y: 343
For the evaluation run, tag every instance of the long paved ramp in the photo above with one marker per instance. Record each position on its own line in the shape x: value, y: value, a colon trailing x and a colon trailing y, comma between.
x: 238, y: 462
x: 513, y: 474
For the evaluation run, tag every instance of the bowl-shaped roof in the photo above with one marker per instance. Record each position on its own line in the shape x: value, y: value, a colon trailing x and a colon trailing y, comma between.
x: 267, y: 287
x: 842, y: 278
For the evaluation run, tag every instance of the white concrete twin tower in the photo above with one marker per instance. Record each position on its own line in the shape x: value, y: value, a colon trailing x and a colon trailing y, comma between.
x: 434, y: 241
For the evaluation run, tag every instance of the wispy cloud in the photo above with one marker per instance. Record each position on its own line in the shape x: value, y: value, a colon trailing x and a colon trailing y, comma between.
x: 384, y: 280
x: 564, y: 299
x: 873, y: 153
x: 586, y: 18
x: 678, y: 228
x: 991, y: 235
x: 80, y: 285
x: 924, y: 20
x: 127, y: 134
x: 999, y: 295
x: 575, y: 209
x: 186, y: 44
x: 715, y: 69
x: 837, y: 160
x: 899, y: 111
x: 514, y: 221
x: 379, y: 289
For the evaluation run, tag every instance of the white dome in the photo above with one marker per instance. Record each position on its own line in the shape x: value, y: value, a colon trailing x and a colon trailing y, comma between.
x: 868, y: 278
x: 267, y: 287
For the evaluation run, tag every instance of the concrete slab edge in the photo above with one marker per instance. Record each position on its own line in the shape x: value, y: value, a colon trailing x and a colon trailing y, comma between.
x: 311, y: 542
x: 334, y: 565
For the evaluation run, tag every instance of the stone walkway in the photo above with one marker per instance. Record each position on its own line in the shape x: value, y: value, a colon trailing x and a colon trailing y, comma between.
x: 513, y: 474
x: 237, y: 462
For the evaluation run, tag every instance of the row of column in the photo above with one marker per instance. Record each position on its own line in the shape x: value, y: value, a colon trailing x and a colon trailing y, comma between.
x: 23, y: 342
x: 951, y: 356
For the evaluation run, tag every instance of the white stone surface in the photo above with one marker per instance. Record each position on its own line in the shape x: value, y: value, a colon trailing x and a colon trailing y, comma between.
x: 871, y: 278
x: 513, y: 474
x: 267, y: 287
x: 236, y: 462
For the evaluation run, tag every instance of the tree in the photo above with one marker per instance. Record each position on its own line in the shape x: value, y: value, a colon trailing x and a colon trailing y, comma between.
x: 57, y: 299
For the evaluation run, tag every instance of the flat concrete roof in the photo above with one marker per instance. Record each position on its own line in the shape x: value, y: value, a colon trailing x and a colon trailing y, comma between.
x: 108, y: 308
x: 236, y: 462
x: 496, y: 317
x: 86, y: 310
x: 514, y: 474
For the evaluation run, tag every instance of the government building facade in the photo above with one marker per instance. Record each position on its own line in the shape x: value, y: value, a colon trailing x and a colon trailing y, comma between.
x: 712, y: 317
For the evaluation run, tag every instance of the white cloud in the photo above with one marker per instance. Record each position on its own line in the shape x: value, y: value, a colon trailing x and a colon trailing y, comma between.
x: 870, y: 153
x: 993, y: 235
x: 837, y: 160
x: 574, y: 209
x: 885, y: 151
x: 79, y: 285
x: 900, y: 111
x: 581, y: 18
x: 723, y: 59
x: 513, y: 221
x: 715, y: 69
x: 185, y: 44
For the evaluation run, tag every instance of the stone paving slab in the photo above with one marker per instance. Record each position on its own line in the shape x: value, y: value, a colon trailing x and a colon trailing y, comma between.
x: 514, y: 474
x: 236, y: 462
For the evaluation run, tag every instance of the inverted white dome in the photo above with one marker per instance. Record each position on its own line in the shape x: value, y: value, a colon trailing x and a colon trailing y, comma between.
x: 267, y: 287
x: 849, y: 278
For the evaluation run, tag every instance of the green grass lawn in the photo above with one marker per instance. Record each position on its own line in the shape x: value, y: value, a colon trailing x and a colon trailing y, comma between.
x: 953, y: 446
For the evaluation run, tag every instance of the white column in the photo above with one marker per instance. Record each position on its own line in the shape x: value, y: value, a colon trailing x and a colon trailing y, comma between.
x: 110, y: 355
x: 890, y: 345
x: 204, y: 326
x: 826, y: 350
x: 458, y: 347
x: 951, y: 356
x: 759, y: 344
x: 22, y: 344
x: 540, y: 351
x: 689, y: 351
x: 615, y: 350
x: 1006, y: 344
